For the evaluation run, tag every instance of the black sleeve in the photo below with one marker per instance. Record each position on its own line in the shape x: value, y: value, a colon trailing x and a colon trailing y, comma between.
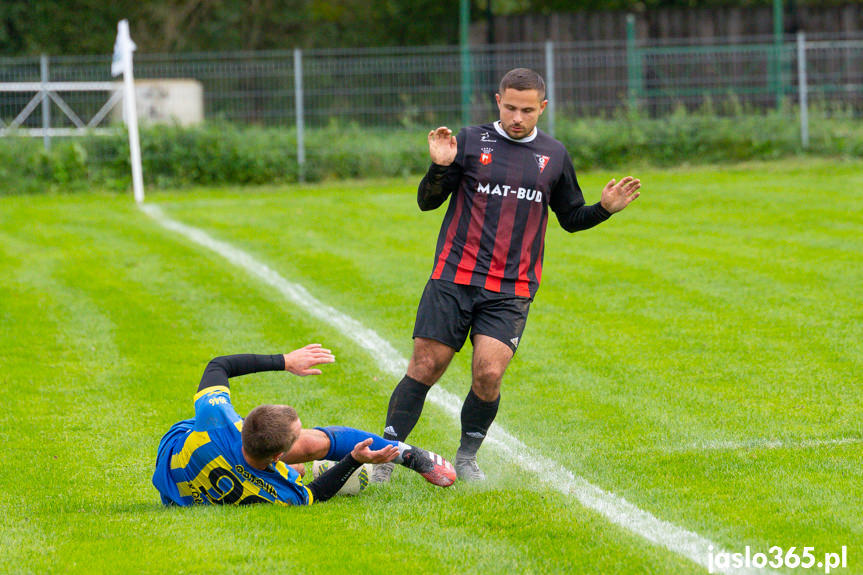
x: 331, y: 480
x: 440, y: 181
x: 221, y: 368
x: 568, y: 204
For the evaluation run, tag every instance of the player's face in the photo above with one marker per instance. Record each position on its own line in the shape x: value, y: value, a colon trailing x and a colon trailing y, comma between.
x: 519, y: 111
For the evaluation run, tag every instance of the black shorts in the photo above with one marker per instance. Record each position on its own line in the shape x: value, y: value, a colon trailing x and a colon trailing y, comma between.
x: 448, y: 311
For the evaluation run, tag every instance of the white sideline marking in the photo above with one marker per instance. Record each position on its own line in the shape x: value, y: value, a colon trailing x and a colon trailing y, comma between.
x: 613, y: 507
x: 769, y: 444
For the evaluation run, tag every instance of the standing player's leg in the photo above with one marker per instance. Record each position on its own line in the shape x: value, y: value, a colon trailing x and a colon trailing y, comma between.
x: 490, y: 360
x: 498, y: 323
x: 428, y: 362
x: 441, y: 328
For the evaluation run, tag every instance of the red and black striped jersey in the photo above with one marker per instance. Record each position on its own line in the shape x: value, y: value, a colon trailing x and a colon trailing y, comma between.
x: 493, y: 233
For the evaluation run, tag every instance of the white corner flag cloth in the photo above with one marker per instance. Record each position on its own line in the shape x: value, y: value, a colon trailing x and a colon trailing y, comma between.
x: 118, y: 63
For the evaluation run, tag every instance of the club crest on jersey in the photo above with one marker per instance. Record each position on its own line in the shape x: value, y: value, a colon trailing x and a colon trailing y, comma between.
x: 541, y: 161
x: 485, y: 157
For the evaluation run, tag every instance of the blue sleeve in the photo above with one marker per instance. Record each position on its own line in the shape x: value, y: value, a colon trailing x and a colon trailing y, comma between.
x: 213, y: 409
x: 343, y: 440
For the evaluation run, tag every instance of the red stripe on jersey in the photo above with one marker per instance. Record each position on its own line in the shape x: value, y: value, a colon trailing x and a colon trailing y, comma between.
x: 450, y: 234
x: 538, y: 269
x: 502, y: 241
x: 534, y: 219
x: 471, y: 242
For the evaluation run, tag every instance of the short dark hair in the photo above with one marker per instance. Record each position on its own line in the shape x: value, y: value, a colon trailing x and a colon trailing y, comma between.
x: 268, y: 430
x: 523, y: 79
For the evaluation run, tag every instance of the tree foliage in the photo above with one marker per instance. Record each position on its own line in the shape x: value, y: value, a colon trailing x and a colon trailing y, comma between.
x: 90, y: 26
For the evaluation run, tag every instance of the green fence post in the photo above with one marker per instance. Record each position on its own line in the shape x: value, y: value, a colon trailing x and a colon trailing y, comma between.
x: 778, y: 31
x: 466, y: 80
x: 633, y: 64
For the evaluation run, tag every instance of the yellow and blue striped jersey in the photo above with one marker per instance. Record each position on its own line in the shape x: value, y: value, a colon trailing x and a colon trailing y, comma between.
x: 200, y: 461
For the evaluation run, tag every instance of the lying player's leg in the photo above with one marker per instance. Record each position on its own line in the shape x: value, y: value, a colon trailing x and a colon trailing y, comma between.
x: 312, y: 444
x: 334, y: 442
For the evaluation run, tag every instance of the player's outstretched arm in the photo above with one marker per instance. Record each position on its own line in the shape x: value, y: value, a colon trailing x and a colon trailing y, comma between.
x: 443, y: 146
x: 617, y: 195
x: 301, y: 361
x: 329, y: 483
x: 221, y: 369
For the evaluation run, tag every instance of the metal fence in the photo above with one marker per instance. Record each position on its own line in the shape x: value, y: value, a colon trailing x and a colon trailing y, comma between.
x: 423, y: 86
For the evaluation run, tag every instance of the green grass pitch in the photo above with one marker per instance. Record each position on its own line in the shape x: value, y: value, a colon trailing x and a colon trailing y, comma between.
x: 699, y: 355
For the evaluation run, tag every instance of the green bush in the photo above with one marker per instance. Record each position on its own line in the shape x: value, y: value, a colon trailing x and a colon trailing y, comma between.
x: 702, y: 137
x: 224, y: 153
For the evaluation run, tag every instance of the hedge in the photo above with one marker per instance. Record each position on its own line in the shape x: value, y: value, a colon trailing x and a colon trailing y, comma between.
x: 223, y: 153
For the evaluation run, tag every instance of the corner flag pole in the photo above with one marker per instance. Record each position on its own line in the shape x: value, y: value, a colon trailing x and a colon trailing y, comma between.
x: 122, y: 64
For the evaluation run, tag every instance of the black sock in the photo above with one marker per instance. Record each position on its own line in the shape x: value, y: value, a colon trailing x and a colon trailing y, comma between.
x: 476, y: 417
x: 406, y: 406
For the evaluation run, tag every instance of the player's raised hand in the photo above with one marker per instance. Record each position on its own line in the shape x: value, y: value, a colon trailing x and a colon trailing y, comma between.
x: 363, y: 454
x: 301, y: 361
x: 618, y: 195
x: 442, y: 146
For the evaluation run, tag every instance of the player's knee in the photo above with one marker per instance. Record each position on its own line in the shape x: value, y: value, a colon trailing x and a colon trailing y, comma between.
x: 312, y: 444
x: 426, y: 368
x: 486, y: 392
x: 488, y: 374
x: 486, y: 383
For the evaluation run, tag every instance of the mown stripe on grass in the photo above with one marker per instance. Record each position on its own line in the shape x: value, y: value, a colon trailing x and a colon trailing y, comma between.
x: 803, y: 443
x: 613, y: 507
x: 65, y: 412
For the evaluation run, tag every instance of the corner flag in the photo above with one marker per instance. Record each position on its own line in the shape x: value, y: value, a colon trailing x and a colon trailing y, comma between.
x: 121, y: 63
x: 122, y: 45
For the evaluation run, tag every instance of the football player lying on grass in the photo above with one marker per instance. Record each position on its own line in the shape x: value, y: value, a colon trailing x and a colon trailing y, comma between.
x: 217, y: 457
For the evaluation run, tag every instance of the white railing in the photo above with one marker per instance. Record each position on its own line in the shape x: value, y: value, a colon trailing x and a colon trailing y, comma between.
x: 45, y: 92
